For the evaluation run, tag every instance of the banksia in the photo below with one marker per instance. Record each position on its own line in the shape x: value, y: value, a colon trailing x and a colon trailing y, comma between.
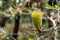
x: 37, y: 19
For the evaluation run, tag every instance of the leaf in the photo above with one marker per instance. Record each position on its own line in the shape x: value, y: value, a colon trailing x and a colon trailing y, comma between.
x: 2, y: 12
x: 58, y: 6
x: 30, y: 39
x: 48, y: 6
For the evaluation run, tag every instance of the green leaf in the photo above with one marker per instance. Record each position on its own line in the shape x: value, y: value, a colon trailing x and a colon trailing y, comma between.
x: 58, y: 7
x: 47, y: 6
x: 30, y: 39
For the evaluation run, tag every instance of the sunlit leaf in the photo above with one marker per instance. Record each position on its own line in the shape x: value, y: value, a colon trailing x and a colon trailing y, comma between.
x: 48, y: 6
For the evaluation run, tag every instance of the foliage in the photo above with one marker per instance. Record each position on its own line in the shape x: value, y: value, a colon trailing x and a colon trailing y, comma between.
x: 2, y: 12
x: 36, y: 19
x: 30, y: 39
x: 2, y: 33
x: 58, y: 6
x: 47, y: 6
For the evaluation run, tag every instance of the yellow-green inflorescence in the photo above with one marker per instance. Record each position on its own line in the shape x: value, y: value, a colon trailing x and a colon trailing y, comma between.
x: 37, y: 18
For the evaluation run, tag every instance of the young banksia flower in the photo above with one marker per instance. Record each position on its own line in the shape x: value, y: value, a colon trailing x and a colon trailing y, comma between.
x: 37, y: 18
